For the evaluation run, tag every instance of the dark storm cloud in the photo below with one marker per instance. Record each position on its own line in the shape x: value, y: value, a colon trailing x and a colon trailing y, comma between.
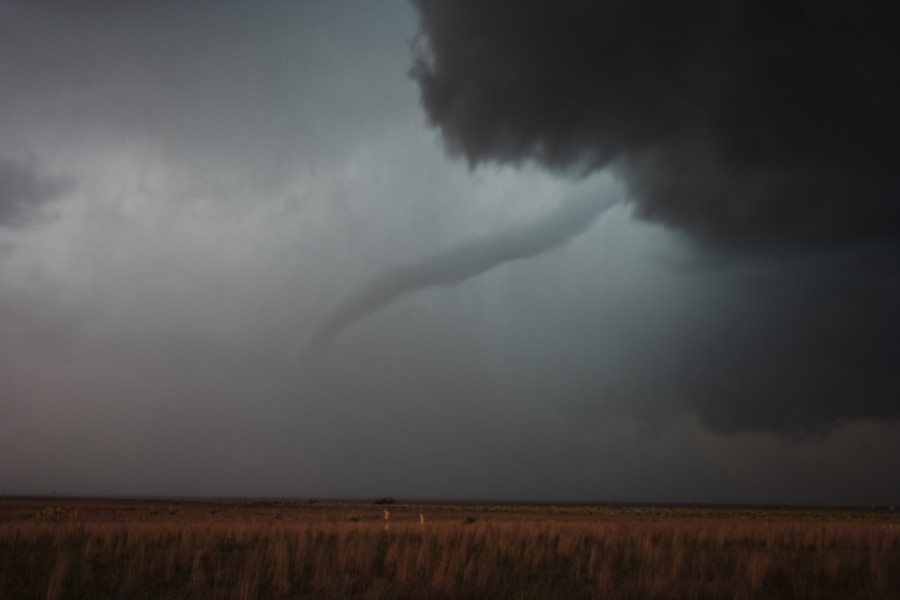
x: 741, y: 123
x: 459, y: 263
x: 23, y: 191
x: 765, y: 131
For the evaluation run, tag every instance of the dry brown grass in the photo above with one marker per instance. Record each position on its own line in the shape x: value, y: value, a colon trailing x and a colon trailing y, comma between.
x: 258, y: 551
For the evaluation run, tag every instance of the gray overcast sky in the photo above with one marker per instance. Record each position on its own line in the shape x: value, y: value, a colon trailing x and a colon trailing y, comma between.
x: 189, y: 193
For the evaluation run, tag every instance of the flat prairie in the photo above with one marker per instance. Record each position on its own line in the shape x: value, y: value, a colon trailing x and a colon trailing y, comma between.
x: 60, y: 549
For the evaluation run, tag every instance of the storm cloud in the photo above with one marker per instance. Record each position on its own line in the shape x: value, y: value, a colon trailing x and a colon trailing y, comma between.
x: 764, y: 132
x: 244, y: 172
x: 741, y: 123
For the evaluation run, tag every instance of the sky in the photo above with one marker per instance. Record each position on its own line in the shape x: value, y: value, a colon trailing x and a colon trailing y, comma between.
x: 549, y: 251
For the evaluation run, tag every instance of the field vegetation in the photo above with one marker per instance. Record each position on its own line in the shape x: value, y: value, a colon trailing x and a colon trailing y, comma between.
x: 132, y: 549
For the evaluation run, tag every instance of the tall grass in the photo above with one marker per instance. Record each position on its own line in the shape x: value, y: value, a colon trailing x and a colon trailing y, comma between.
x: 493, y: 557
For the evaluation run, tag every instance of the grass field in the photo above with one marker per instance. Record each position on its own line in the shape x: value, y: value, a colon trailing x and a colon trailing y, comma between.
x: 67, y: 549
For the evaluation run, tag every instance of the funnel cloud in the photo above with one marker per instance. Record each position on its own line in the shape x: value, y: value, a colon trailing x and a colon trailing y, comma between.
x: 457, y: 264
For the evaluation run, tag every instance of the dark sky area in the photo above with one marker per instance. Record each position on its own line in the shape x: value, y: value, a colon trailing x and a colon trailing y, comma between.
x: 555, y: 250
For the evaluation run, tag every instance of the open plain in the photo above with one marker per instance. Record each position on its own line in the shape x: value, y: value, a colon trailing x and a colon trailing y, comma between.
x: 59, y: 549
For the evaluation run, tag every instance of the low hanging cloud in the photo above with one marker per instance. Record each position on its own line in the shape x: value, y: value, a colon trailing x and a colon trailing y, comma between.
x: 743, y: 123
x: 763, y: 131
x: 23, y: 192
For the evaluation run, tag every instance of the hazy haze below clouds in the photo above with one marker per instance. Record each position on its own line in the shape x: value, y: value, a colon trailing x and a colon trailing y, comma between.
x: 203, y: 182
